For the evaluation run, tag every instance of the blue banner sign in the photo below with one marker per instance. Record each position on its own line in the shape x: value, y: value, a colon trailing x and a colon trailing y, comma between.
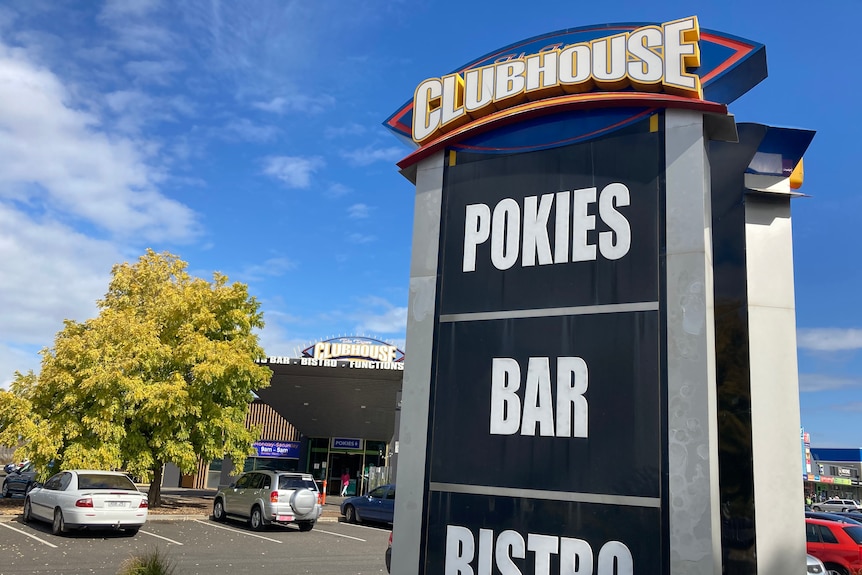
x: 346, y: 443
x: 288, y: 449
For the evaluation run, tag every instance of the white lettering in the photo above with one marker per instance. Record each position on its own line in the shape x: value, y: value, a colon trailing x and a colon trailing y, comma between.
x: 572, y: 378
x: 505, y: 403
x: 426, y: 109
x: 537, y: 399
x: 477, y: 230
x: 510, y: 545
x: 570, y: 410
x: 534, y: 552
x: 681, y: 51
x: 648, y: 58
x: 459, y: 550
x: 513, y: 231
x: 582, y: 224
x: 616, y: 558
x: 536, y: 230
x: 576, y: 557
x: 505, y: 233
x: 616, y: 243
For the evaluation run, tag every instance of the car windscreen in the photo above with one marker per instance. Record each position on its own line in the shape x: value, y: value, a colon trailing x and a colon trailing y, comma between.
x: 855, y: 533
x: 99, y: 481
x: 285, y: 482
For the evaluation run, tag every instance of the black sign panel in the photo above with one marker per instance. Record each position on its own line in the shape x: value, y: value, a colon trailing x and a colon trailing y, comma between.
x: 546, y: 436
x: 618, y: 449
x: 541, y: 537
x: 604, y: 246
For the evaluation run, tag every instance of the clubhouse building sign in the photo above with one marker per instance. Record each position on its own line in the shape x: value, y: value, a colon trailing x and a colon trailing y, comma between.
x: 566, y: 408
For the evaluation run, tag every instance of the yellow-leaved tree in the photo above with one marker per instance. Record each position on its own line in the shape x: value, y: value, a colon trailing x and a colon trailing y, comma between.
x: 165, y: 373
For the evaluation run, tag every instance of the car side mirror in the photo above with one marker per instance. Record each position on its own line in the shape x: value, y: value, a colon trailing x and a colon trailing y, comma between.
x: 232, y: 485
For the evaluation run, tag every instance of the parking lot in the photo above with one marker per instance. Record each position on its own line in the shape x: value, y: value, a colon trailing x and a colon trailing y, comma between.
x: 196, y: 546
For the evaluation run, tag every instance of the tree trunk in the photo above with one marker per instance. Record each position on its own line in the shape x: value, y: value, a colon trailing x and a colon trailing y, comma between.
x: 154, y: 495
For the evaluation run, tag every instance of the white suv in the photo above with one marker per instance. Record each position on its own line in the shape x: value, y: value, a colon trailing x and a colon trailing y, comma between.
x: 837, y: 505
x: 268, y: 497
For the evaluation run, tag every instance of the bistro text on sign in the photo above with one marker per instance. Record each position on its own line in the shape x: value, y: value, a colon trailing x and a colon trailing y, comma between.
x: 576, y: 555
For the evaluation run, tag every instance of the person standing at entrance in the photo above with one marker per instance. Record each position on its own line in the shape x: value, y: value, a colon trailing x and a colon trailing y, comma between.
x: 345, y: 482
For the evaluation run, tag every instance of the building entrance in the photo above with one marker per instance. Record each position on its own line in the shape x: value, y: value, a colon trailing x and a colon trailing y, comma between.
x: 353, y: 464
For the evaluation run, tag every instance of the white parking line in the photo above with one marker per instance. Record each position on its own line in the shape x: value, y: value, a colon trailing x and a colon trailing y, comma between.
x: 28, y: 535
x: 340, y: 535
x: 362, y: 526
x: 211, y: 524
x: 160, y: 537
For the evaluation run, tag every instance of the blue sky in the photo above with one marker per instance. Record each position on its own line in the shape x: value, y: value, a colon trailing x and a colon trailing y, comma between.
x: 246, y: 138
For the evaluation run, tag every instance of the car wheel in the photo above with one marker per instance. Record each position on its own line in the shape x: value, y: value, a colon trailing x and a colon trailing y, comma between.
x: 28, y: 511
x: 350, y: 514
x: 58, y: 526
x: 256, y: 519
x: 218, y: 510
x: 306, y: 525
x: 5, y: 490
x: 833, y: 569
x: 816, y: 508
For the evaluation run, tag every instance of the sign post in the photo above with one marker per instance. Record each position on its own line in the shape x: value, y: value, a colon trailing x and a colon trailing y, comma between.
x: 560, y: 407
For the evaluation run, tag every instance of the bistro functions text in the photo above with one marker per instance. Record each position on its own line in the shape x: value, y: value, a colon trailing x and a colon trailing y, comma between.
x: 352, y: 363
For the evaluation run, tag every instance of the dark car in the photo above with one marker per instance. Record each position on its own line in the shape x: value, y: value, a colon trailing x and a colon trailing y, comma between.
x: 19, y: 481
x: 376, y: 505
x: 854, y: 515
x: 839, y: 517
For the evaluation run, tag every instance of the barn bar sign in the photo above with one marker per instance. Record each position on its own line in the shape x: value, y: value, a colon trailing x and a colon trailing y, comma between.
x: 560, y: 408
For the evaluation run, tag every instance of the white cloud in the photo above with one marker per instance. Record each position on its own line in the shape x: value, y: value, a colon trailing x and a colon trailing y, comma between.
x: 133, y: 30
x: 134, y: 110
x: 337, y: 190
x: 391, y: 320
x: 348, y: 129
x: 358, y: 238
x: 294, y: 171
x: 159, y: 72
x: 369, y: 154
x: 296, y: 103
x: 69, y: 165
x: 358, y: 211
x: 50, y: 273
x: 829, y: 339
x: 275, y: 338
x: 273, y: 267
x: 248, y: 131
x: 17, y: 357
x: 853, y: 407
x: 128, y: 8
x: 810, y: 382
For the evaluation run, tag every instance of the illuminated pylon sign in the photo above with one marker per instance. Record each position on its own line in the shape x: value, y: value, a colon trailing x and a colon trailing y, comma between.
x: 599, y: 378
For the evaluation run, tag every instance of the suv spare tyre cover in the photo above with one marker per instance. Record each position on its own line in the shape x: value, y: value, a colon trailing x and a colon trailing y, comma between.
x: 303, y: 501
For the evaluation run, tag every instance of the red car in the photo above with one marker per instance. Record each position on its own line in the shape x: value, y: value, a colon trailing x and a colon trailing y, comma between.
x: 838, y: 545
